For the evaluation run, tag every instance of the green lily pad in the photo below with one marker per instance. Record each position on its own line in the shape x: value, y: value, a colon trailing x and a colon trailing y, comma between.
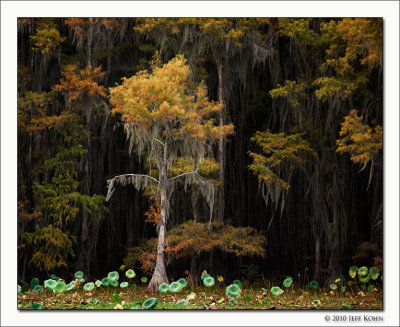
x: 114, y: 283
x: 288, y: 282
x: 183, y: 281
x: 38, y: 289
x: 56, y: 278
x: 115, y: 297
x: 98, y: 283
x: 89, y: 287
x: 268, y: 300
x: 82, y: 280
x: 175, y: 287
x: 34, y: 282
x: 209, y: 281
x: 353, y: 271
x: 363, y: 271
x: 94, y: 300
x: 59, y: 288
x: 123, y: 285
x: 237, y: 282
x: 130, y: 273
x: 19, y: 289
x: 374, y: 273
x: 144, y: 279
x: 276, y: 290
x: 316, y: 303
x: 333, y: 287
x: 364, y: 279
x: 314, y: 284
x: 79, y: 275
x: 204, y: 276
x: 49, y: 284
x: 191, y: 296
x: 370, y: 288
x: 105, y: 281
x: 150, y: 303
x: 36, y: 306
x: 233, y: 290
x: 264, y: 289
x: 113, y: 275
x: 232, y: 301
x: 163, y: 288
x: 182, y: 302
x: 70, y: 286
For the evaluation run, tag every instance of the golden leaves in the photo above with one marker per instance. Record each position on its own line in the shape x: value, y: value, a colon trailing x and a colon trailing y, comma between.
x: 167, y: 98
x: 361, y: 141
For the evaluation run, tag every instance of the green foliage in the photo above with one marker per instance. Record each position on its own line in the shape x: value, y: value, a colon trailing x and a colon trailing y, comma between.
x: 163, y: 288
x: 130, y: 273
x: 314, y: 284
x: 49, y: 284
x: 113, y: 275
x: 233, y: 290
x: 38, y: 289
x: 209, y: 281
x: 78, y: 274
x: 363, y: 271
x: 175, y: 287
x: 182, y: 302
x: 150, y: 303
x: 183, y: 281
x: 115, y: 297
x: 288, y: 282
x: 292, y: 90
x: 276, y: 290
x: 279, y: 149
x: 353, y: 271
x: 36, y: 306
x: 333, y: 287
x: 299, y: 30
x: 88, y: 287
x: 34, y: 282
x: 59, y: 287
x: 374, y: 273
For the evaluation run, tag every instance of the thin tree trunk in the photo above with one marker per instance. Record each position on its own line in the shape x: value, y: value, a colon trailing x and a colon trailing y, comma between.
x: 219, y: 213
x: 317, y: 266
x: 160, y: 274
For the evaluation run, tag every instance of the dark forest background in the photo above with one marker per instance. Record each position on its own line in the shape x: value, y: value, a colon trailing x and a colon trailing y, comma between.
x: 283, y: 75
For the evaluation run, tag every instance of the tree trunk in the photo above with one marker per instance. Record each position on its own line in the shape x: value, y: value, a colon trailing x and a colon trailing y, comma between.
x: 219, y: 212
x: 334, y: 240
x: 317, y: 266
x: 194, y: 279
x: 160, y: 274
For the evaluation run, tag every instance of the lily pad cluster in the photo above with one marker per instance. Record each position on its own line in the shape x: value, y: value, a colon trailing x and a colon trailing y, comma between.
x: 365, y: 275
x: 233, y: 290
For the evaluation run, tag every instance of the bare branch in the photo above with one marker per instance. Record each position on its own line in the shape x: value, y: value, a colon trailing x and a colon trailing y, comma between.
x: 193, y: 172
x: 137, y: 180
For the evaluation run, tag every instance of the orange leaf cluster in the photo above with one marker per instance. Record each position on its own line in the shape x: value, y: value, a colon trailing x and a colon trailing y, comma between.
x: 75, y: 82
